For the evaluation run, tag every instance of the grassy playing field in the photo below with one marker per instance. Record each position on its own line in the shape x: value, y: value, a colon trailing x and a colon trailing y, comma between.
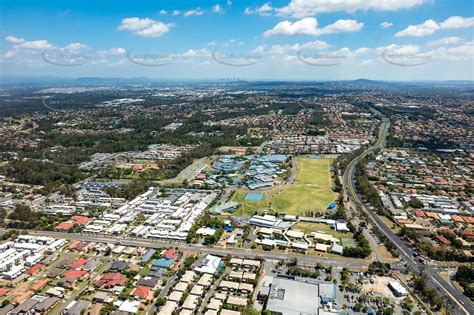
x: 312, y: 189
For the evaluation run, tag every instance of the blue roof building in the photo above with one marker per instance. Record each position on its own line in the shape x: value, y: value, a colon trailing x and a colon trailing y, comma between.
x: 278, y: 158
x: 163, y: 262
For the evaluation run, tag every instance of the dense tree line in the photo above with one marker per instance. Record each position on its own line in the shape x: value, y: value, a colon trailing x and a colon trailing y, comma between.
x: 23, y: 217
x: 465, y: 276
x: 49, y: 175
x: 317, y: 118
x: 302, y: 272
x: 379, y: 268
x: 420, y: 284
x: 130, y: 190
x: 415, y: 203
x: 366, y: 188
x: 362, y: 250
x: 343, y: 160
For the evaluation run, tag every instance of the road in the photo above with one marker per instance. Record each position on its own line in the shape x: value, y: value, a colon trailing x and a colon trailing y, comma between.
x: 373, y: 245
x: 240, y: 252
x: 164, y: 292
x: 461, y: 304
x: 189, y: 173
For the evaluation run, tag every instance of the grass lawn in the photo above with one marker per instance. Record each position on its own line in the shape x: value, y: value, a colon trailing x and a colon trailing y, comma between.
x: 385, y: 254
x: 248, y: 208
x: 313, y: 252
x: 312, y: 189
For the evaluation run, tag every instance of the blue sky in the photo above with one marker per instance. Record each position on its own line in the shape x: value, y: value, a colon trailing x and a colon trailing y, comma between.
x: 285, y: 40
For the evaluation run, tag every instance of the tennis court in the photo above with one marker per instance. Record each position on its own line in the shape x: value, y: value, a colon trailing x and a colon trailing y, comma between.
x: 253, y: 197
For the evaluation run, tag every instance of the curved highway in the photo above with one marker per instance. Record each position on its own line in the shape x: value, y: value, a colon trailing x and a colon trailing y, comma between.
x: 461, y: 304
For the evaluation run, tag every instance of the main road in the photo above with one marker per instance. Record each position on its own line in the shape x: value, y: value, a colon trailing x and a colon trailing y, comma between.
x: 462, y: 305
x: 221, y: 251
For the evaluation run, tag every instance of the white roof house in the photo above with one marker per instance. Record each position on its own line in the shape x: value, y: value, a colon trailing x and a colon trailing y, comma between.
x: 342, y: 227
x: 209, y: 265
x: 129, y: 306
x: 205, y: 231
x: 397, y: 288
x: 295, y: 234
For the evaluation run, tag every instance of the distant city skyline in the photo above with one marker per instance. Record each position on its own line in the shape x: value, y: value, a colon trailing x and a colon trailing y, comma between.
x: 252, y: 40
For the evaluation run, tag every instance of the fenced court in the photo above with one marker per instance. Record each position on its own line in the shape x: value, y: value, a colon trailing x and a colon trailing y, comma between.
x: 253, y: 197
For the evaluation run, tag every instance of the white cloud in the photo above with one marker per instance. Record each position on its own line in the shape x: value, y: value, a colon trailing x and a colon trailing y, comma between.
x: 76, y: 46
x: 14, y: 40
x: 36, y: 44
x: 265, y: 10
x: 456, y: 53
x: 342, y: 26
x: 259, y: 50
x: 217, y: 9
x: 196, y: 53
x: 367, y: 62
x: 427, y: 28
x: 145, y: 27
x: 11, y: 53
x: 116, y: 51
x: 155, y: 30
x: 196, y: 12
x: 386, y: 24
x: 313, y: 45
x: 212, y: 43
x: 363, y: 51
x: 304, y: 8
x: 309, y: 26
x: 176, y: 12
x: 163, y: 12
x: 400, y: 49
x: 445, y: 41
x: 457, y: 22
x: 317, y: 44
x: 24, y: 48
x: 430, y: 26
x: 320, y: 51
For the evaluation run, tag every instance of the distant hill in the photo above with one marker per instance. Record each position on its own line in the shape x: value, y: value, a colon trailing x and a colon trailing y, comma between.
x: 362, y: 82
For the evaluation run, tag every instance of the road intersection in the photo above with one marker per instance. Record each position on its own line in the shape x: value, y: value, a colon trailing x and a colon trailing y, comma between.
x: 461, y: 304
